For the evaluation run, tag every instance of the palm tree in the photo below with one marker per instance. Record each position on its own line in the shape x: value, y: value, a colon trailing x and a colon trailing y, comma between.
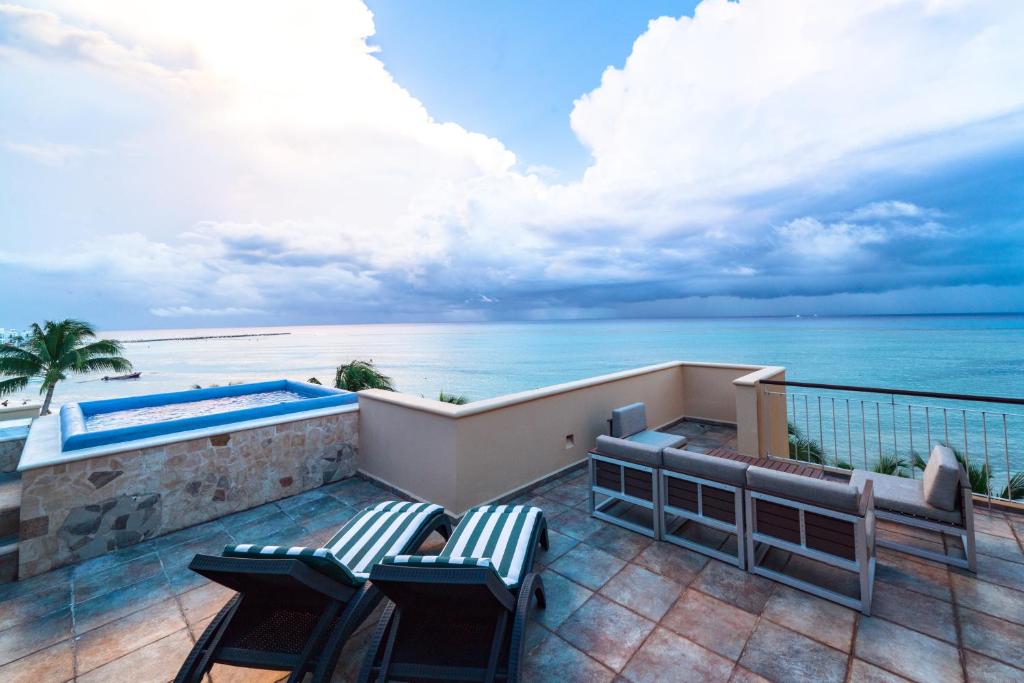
x: 804, y: 448
x: 52, y: 352
x: 889, y: 463
x: 1014, y: 489
x: 456, y: 399
x: 361, y: 374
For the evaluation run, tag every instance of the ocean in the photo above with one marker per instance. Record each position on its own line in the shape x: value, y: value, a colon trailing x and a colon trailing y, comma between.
x: 961, y: 354
x: 955, y: 354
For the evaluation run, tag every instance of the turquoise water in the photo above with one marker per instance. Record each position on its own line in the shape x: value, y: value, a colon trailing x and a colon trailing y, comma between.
x: 973, y: 354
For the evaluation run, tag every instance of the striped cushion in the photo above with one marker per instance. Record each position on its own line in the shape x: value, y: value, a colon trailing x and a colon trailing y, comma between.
x: 379, y: 530
x: 316, y: 558
x: 498, y: 536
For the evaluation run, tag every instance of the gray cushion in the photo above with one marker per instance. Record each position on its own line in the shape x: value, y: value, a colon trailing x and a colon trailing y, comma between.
x: 629, y: 420
x: 899, y: 494
x: 705, y: 466
x: 630, y: 451
x: 830, y: 494
x: 941, y: 478
x: 658, y: 439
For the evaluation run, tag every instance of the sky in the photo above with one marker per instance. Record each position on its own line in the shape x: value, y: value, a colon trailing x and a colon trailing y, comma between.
x: 180, y: 164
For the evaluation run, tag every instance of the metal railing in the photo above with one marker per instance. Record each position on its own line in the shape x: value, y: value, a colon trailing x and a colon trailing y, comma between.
x: 894, y: 430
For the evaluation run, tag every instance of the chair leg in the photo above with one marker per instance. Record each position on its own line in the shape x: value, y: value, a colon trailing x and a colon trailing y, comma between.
x: 384, y: 628
x: 544, y: 534
x: 356, y: 610
x: 199, y: 660
x: 532, y: 586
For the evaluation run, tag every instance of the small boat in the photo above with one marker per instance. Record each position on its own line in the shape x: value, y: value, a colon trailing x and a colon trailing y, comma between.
x: 133, y: 375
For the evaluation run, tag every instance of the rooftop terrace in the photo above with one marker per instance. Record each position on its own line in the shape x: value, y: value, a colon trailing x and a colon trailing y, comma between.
x: 620, y: 606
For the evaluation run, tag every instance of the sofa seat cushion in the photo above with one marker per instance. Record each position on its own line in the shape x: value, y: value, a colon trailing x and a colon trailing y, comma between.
x: 650, y: 437
x: 630, y: 451
x: 702, y: 466
x: 899, y: 494
x: 829, y: 494
x: 941, y: 478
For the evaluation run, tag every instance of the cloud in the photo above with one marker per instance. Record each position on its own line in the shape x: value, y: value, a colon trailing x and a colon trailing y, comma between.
x: 190, y: 312
x: 50, y: 153
x: 755, y: 150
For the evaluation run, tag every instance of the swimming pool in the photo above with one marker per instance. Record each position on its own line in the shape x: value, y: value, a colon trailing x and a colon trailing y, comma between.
x: 100, y: 423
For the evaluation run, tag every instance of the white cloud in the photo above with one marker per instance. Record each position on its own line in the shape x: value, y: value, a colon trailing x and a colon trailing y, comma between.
x: 810, y: 238
x: 751, y: 96
x: 189, y: 311
x: 319, y: 183
x: 50, y: 153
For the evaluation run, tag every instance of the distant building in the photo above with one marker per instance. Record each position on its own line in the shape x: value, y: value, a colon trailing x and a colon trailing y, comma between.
x: 12, y: 336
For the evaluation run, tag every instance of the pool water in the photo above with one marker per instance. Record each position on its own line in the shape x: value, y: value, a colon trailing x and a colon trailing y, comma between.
x: 176, y: 411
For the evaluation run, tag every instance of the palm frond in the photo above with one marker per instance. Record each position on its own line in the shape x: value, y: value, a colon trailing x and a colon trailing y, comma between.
x: 892, y: 464
x: 803, y: 448
x: 9, y: 386
x: 361, y: 374
x: 115, y: 363
x: 101, y: 347
x: 1015, y: 488
x: 979, y: 475
x: 19, y: 367
x: 455, y: 399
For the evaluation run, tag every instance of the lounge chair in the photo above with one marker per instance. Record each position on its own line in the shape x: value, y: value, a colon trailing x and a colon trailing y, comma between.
x: 630, y: 423
x: 296, y: 607
x: 460, y: 615
x: 825, y: 521
x: 624, y: 484
x: 703, y: 494
x: 941, y: 501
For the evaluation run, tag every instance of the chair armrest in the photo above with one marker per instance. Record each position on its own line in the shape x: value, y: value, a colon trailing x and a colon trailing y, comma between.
x: 867, y: 497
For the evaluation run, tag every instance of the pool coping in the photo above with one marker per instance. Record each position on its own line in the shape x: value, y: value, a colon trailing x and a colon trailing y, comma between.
x: 43, y: 447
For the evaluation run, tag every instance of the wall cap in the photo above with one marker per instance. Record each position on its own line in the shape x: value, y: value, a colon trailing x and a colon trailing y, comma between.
x: 449, y: 410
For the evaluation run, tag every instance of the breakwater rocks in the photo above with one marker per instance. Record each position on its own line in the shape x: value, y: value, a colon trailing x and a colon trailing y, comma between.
x: 210, y: 336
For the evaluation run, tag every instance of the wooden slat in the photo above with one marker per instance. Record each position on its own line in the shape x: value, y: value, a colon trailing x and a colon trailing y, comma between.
x: 683, y: 502
x: 718, y: 494
x: 638, y: 491
x: 846, y: 552
x: 828, y: 529
x: 785, y: 534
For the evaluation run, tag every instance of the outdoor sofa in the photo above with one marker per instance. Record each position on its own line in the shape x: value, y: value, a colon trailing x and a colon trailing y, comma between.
x: 296, y: 606
x: 460, y: 615
x: 941, y: 501
x: 624, y: 468
x: 630, y: 423
x: 702, y: 498
x: 824, y: 521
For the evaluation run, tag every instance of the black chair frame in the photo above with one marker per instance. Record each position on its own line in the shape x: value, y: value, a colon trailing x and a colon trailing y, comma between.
x: 471, y: 597
x: 286, y: 615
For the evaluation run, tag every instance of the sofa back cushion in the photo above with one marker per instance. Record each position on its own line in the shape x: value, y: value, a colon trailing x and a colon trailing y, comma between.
x: 723, y: 470
x: 630, y: 451
x: 942, y: 478
x: 830, y: 494
x: 629, y: 420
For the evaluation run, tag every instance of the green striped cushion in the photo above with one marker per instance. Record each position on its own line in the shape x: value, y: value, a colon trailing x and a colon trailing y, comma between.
x: 317, y: 558
x: 379, y: 530
x: 499, y: 536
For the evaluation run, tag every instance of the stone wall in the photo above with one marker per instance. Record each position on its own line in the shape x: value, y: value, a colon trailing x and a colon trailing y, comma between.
x: 10, y: 453
x: 81, y: 509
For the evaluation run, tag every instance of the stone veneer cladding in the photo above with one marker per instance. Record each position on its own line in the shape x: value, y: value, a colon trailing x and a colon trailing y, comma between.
x: 10, y: 453
x: 81, y: 509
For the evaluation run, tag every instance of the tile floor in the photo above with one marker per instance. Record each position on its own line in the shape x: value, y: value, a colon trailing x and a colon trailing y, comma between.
x: 620, y: 607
